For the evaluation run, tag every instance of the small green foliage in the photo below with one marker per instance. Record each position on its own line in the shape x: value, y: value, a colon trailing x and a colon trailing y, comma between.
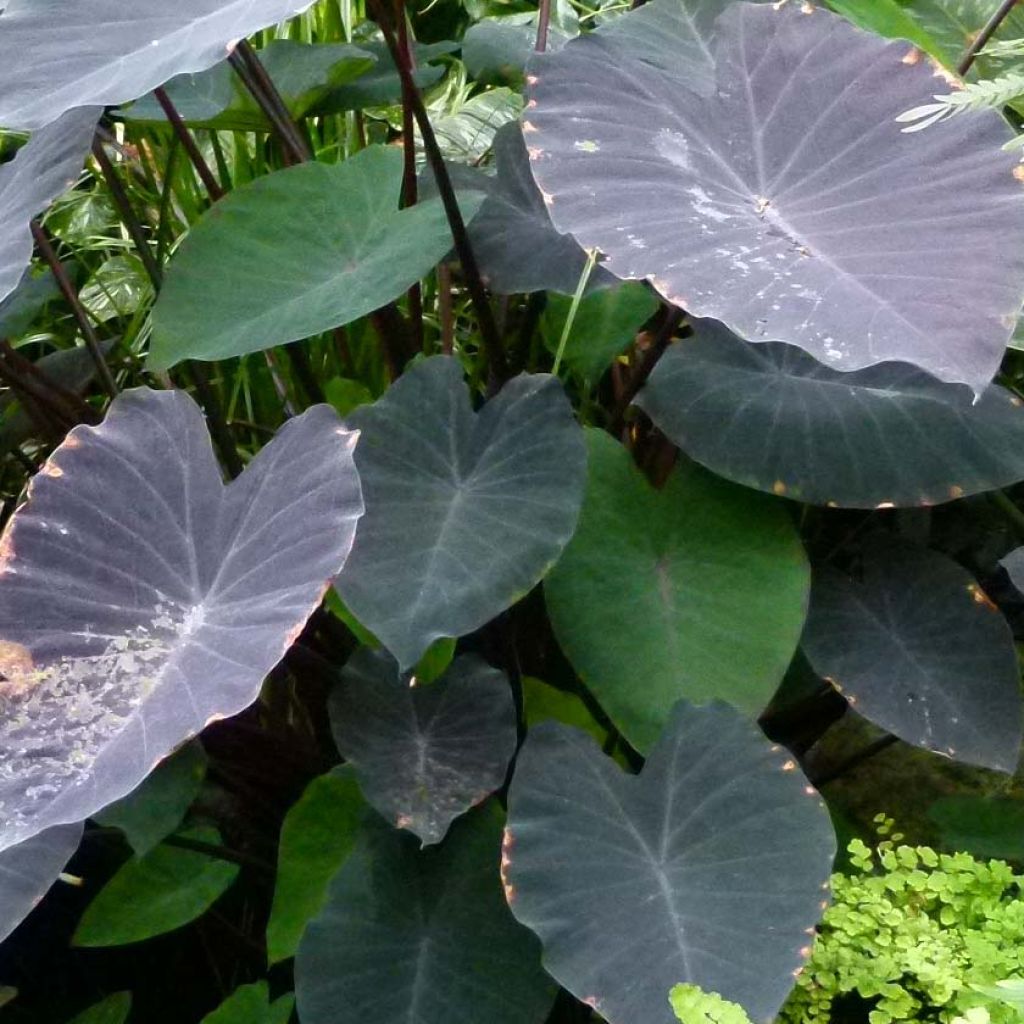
x: 918, y: 935
x: 692, y: 1005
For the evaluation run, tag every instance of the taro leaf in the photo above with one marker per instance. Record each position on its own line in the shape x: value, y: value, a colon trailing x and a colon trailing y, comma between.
x: 954, y: 25
x: 1013, y: 563
x: 157, y: 893
x: 697, y: 590
x: 72, y: 368
x: 917, y: 648
x: 46, y: 166
x: 424, y: 754
x: 33, y: 292
x: 302, y: 72
x: 864, y: 256
x: 381, y: 84
x: 465, y: 511
x: 983, y: 826
x: 888, y: 18
x: 103, y: 52
x: 250, y: 1004
x: 112, y: 1010
x: 142, y: 598
x: 295, y: 253
x: 118, y: 288
x: 516, y: 245
x: 706, y: 868
x: 496, y: 50
x: 542, y: 703
x: 769, y: 416
x: 29, y: 869
x: 156, y: 808
x: 421, y: 935
x: 318, y: 834
x: 606, y: 323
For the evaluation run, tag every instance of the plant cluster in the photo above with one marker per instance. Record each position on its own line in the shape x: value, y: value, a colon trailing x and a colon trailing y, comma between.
x: 461, y: 464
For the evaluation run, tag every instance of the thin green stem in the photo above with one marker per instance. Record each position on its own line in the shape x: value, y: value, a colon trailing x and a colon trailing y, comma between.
x: 577, y: 298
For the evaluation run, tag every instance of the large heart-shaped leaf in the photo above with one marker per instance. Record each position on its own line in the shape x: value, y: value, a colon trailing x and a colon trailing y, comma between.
x: 142, y: 598
x: 421, y: 936
x: 787, y: 202
x: 424, y: 754
x: 29, y: 869
x: 55, y: 55
x: 697, y: 590
x: 916, y: 647
x: 295, y: 253
x: 250, y: 1004
x: 769, y: 416
x: 465, y: 511
x: 516, y: 245
x: 303, y: 73
x: 46, y: 166
x: 707, y: 868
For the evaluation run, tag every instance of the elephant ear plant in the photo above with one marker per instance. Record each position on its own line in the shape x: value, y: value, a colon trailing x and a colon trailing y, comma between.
x: 434, y: 594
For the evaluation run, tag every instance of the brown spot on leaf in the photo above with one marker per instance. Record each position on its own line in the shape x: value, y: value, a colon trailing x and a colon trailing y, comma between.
x: 532, y: 79
x: 885, y: 504
x: 912, y: 56
x: 50, y: 468
x: 831, y: 504
x: 403, y: 821
x: 778, y: 488
x: 594, y: 1002
x: 16, y: 668
x: 980, y: 597
x: 1018, y: 172
x: 507, y: 842
x: 941, y: 71
x: 805, y: 951
x: 528, y: 127
x: 810, y: 791
x: 789, y: 766
x: 1014, y: 400
x: 6, y: 547
x: 956, y: 491
x: 534, y: 152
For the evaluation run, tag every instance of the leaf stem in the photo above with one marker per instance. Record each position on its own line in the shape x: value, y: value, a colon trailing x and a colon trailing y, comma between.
x: 672, y: 318
x: 67, y: 289
x: 982, y: 38
x: 484, y: 314
x: 862, y: 755
x: 219, y: 852
x: 213, y: 188
x: 581, y: 287
x: 543, y: 19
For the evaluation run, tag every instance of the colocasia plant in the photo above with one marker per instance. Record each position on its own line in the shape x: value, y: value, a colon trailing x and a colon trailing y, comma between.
x: 469, y: 471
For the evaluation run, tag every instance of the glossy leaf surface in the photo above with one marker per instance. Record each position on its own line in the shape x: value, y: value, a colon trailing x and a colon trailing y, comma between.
x: 102, y: 52
x: 706, y: 868
x: 46, y: 166
x: 425, y: 936
x: 29, y: 869
x: 318, y: 834
x: 424, y: 754
x: 917, y: 647
x: 142, y: 598
x: 295, y: 253
x: 150, y: 895
x: 697, y: 590
x: 771, y: 417
x: 465, y: 511
x: 112, y: 1010
x: 862, y: 256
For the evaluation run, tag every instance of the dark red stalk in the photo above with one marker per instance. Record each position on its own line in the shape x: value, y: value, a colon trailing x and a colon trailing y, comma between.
x: 213, y: 188
x: 543, y: 18
x: 67, y: 289
x: 981, y: 39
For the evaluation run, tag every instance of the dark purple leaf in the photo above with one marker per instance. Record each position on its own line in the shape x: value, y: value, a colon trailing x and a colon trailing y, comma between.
x: 787, y: 201
x: 142, y: 599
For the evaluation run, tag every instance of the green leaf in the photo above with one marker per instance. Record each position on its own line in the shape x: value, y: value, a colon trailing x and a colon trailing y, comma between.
x: 954, y: 24
x: 606, y: 323
x: 916, y: 646
x: 424, y: 754
x: 303, y: 73
x: 317, y: 836
x: 28, y: 300
x: 425, y: 936
x: 707, y: 867
x: 112, y: 1010
x: 117, y: 289
x: 156, y: 808
x: 293, y: 254
x: 465, y: 511
x: 983, y: 826
x: 467, y: 133
x: 250, y: 1004
x: 697, y: 590
x: 692, y: 1005
x: 495, y: 50
x: 887, y: 18
x: 151, y: 895
x: 346, y: 395
x: 544, y: 703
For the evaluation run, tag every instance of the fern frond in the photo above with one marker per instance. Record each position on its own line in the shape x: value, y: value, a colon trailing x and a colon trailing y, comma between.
x: 991, y: 94
x: 1004, y: 49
